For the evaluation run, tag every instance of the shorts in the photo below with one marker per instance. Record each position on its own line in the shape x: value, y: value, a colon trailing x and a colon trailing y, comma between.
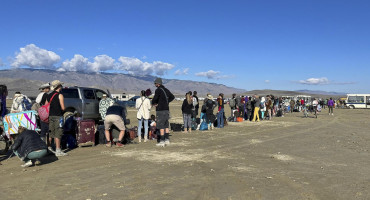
x: 55, y: 130
x: 116, y: 120
x: 162, y: 119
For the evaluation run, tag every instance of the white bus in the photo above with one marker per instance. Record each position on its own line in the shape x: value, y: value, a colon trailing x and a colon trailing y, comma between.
x: 358, y: 101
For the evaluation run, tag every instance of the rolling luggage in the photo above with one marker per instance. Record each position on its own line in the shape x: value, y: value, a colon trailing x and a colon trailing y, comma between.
x: 26, y: 119
x: 86, y: 132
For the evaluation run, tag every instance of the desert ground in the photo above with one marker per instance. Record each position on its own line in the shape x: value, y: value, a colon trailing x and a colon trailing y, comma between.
x: 288, y: 157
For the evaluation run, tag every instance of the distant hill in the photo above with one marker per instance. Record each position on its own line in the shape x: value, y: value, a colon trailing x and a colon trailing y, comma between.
x: 28, y: 81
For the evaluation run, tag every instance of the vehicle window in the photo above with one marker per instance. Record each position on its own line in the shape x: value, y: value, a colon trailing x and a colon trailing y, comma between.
x: 356, y: 99
x: 89, y: 94
x: 368, y: 99
x: 99, y: 94
x: 70, y: 93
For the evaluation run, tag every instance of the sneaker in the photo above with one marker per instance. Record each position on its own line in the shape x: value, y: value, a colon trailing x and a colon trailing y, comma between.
x: 161, y: 144
x: 60, y: 153
x: 118, y: 144
x: 27, y: 164
x: 109, y: 144
x: 139, y: 139
x: 50, y: 149
x: 167, y: 142
x: 37, y: 162
x: 145, y: 140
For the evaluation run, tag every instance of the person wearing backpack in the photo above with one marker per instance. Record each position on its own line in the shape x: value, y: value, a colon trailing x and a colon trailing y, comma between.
x: 56, y: 112
x: 41, y: 100
x: 257, y: 104
x: 249, y: 108
x: 232, y: 104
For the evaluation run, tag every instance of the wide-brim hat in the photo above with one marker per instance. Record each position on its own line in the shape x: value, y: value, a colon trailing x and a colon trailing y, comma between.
x: 43, y: 86
x: 56, y: 83
x: 209, y: 96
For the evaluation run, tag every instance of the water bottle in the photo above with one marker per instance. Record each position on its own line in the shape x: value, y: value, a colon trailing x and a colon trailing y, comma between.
x: 61, y: 122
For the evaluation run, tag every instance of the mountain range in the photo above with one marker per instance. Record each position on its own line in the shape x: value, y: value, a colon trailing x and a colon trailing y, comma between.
x: 28, y: 81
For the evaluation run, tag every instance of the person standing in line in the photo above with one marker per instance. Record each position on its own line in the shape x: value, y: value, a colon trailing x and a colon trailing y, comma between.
x: 232, y: 104
x: 195, y: 104
x: 292, y: 104
x: 210, y: 105
x: 56, y: 112
x: 104, y: 104
x: 162, y: 98
x: 249, y: 109
x: 263, y: 107
x: 186, y: 108
x: 331, y: 106
x: 257, y: 103
x: 143, y: 114
x: 41, y: 100
x: 220, y: 111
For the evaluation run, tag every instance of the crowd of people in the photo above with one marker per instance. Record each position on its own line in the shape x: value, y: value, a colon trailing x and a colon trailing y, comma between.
x: 211, y: 115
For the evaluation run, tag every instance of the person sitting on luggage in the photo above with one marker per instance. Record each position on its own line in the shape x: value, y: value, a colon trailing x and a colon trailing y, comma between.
x: 20, y: 103
x: 115, y: 115
x: 28, y: 146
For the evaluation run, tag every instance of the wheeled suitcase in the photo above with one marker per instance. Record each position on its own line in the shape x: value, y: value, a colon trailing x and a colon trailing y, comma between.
x: 86, y: 132
x: 26, y: 119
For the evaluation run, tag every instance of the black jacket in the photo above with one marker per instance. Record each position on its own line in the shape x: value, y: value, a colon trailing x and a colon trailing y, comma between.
x: 186, y: 108
x: 27, y: 142
x: 117, y: 110
x: 160, y: 98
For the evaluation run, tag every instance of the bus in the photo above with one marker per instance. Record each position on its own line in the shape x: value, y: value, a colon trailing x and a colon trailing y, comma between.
x: 358, y: 101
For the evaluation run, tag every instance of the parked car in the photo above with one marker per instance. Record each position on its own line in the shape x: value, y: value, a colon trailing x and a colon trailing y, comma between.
x: 131, y: 102
x: 83, y: 100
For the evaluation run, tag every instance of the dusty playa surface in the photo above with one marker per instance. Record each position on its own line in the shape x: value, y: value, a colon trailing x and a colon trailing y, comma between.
x: 287, y: 158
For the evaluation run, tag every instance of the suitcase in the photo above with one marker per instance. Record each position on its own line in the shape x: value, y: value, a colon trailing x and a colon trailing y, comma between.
x: 27, y: 119
x: 133, y: 132
x: 176, y: 127
x: 86, y: 132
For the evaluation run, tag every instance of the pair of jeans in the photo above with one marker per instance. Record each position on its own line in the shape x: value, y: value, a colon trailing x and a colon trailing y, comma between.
x: 145, y: 128
x: 33, y: 155
x: 220, y: 118
x: 187, y: 120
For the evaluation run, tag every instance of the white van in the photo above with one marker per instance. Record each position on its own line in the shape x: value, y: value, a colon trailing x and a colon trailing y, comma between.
x: 358, y: 101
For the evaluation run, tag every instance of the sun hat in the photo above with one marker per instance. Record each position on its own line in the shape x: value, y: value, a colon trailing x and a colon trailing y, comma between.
x: 209, y: 96
x: 43, y: 86
x: 56, y: 83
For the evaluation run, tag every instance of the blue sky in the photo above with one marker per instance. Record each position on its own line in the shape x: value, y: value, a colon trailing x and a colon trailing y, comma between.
x: 285, y: 44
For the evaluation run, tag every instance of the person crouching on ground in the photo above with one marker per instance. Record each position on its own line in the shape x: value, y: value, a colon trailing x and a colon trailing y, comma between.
x: 28, y: 146
x: 143, y: 113
x: 186, y: 108
x: 115, y: 115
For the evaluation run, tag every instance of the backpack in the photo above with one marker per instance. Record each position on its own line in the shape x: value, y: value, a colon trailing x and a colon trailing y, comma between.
x: 232, y: 102
x: 203, y: 126
x: 26, y: 105
x: 44, y: 111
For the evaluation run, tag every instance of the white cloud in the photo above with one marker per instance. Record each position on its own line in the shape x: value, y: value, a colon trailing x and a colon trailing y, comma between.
x: 315, y: 81
x: 182, y: 71
x: 77, y: 63
x: 211, y: 74
x: 80, y: 63
x: 138, y: 67
x: 35, y: 57
x: 102, y: 63
x: 267, y: 81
